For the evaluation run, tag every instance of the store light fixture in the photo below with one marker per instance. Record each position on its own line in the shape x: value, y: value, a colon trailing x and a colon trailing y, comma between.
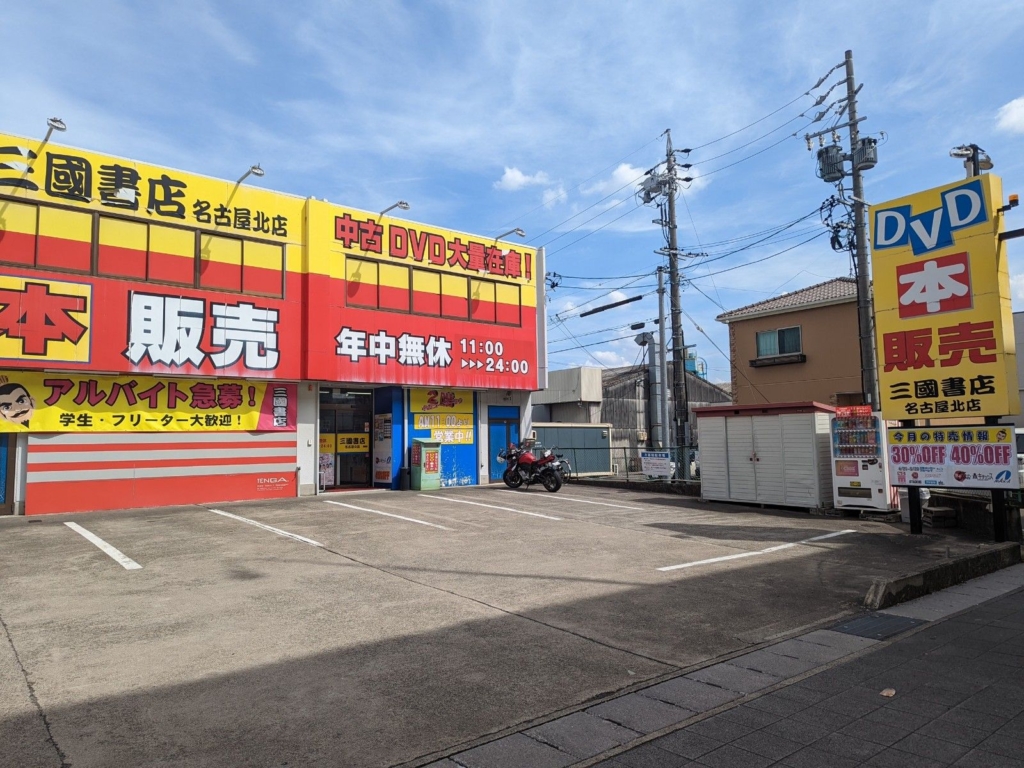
x: 254, y: 170
x: 54, y: 124
x: 517, y: 231
x: 400, y: 204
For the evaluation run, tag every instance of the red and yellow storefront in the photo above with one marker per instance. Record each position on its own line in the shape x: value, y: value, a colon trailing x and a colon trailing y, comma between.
x: 167, y: 338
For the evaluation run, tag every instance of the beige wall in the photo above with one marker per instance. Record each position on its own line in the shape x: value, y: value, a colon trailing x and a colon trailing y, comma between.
x: 828, y: 339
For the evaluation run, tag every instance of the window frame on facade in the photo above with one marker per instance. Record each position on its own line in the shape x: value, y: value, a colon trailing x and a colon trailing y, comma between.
x: 474, y: 299
x: 779, y: 356
x: 99, y: 250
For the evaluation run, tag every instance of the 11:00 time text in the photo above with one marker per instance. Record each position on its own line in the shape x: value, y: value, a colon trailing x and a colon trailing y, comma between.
x: 495, y: 363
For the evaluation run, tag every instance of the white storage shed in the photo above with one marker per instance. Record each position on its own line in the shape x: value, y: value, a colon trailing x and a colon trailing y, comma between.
x: 775, y: 454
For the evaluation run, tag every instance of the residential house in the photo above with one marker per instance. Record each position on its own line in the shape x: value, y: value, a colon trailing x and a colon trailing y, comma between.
x: 798, y: 347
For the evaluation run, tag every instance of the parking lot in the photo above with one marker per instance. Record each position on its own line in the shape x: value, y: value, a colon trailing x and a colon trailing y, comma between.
x: 377, y: 629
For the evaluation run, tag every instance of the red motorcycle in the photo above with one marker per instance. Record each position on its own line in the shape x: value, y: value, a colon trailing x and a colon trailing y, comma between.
x: 526, y: 469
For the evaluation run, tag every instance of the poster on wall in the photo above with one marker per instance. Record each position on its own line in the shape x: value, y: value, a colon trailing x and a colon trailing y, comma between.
x: 33, y: 401
x: 447, y: 413
x: 960, y: 457
x: 382, y: 471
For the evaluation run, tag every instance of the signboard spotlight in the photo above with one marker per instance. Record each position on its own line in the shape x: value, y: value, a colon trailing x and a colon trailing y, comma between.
x: 254, y: 170
x: 517, y: 231
x: 54, y: 124
x: 400, y: 204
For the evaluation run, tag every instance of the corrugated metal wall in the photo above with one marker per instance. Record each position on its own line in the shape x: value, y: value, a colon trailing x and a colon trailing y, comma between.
x: 78, y: 472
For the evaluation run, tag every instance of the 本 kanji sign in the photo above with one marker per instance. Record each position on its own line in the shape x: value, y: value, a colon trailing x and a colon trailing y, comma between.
x: 44, y: 320
x: 942, y: 304
x: 961, y: 457
x: 33, y: 401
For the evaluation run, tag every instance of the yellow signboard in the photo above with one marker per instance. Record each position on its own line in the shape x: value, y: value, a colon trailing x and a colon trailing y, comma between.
x: 44, y: 320
x: 328, y: 443
x: 942, y: 304
x: 353, y: 442
x: 78, y: 179
x: 59, y: 402
x: 440, y: 401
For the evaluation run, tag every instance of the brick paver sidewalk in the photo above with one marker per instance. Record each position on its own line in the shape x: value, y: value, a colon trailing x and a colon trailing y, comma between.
x: 957, y: 672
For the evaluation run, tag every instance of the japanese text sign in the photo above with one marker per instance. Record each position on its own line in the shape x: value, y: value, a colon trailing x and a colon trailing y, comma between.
x: 961, y: 457
x: 447, y: 413
x: 87, y: 180
x: 54, y: 402
x: 440, y: 401
x: 353, y: 442
x: 942, y: 304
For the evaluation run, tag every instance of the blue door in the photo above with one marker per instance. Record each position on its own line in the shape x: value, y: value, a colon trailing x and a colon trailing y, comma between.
x: 503, y: 428
x: 6, y: 507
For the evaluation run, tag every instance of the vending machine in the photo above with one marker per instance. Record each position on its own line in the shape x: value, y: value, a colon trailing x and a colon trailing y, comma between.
x: 860, y: 473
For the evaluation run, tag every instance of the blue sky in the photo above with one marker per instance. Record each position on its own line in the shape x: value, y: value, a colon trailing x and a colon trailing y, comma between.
x: 489, y: 115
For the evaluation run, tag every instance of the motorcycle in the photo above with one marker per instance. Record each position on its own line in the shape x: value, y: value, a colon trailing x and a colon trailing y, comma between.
x: 564, y: 468
x: 526, y: 469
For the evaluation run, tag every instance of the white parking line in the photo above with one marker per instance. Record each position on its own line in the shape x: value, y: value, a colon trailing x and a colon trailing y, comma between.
x: 387, y: 514
x: 490, y: 506
x: 270, y: 528
x: 577, y: 498
x: 119, y: 556
x: 754, y: 554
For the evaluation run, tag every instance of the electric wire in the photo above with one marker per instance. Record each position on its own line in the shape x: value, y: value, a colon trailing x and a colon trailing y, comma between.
x: 616, y: 164
x: 751, y: 125
x: 758, y: 261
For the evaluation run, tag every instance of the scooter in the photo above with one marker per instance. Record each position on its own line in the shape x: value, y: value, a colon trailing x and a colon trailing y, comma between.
x: 526, y: 469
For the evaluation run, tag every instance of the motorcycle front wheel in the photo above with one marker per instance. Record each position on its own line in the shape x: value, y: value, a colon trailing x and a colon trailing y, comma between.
x: 552, y: 481
x: 512, y: 478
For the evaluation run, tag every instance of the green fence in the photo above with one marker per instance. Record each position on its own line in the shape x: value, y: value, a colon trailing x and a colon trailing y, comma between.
x: 628, y: 463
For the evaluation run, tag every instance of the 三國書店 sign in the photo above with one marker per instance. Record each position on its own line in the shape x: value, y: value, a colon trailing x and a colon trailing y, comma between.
x: 954, y: 457
x: 942, y: 304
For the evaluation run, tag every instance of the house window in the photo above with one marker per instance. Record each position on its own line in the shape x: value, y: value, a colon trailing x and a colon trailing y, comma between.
x: 784, y: 341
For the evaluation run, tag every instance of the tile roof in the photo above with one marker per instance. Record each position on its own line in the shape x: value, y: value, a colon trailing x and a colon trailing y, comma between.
x: 838, y: 290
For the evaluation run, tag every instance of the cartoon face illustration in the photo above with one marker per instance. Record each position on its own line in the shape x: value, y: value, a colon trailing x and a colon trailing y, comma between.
x: 16, y: 404
x: 1001, y: 435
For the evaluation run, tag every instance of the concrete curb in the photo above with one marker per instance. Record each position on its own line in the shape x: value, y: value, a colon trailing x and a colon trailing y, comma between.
x: 885, y: 593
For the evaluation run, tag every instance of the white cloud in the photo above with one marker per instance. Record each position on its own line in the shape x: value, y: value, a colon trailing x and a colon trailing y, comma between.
x: 513, y: 179
x: 617, y: 296
x: 623, y: 177
x: 611, y: 358
x: 1010, y: 117
x: 1017, y: 289
x: 554, y: 196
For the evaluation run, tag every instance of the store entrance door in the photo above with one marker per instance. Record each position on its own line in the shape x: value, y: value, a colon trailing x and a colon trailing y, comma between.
x: 503, y: 428
x: 345, y: 420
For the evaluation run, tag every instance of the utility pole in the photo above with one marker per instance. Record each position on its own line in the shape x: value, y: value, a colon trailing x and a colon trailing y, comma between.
x: 860, y: 237
x: 666, y: 431
x: 863, y: 155
x: 679, y: 394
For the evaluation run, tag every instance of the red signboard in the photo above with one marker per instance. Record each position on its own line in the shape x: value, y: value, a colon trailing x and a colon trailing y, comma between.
x: 93, y: 323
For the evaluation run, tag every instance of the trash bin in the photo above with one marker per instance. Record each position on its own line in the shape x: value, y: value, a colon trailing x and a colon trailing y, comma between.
x: 425, y: 465
x: 403, y: 479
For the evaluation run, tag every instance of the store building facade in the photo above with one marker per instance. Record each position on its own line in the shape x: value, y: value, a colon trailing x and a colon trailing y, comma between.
x: 168, y: 338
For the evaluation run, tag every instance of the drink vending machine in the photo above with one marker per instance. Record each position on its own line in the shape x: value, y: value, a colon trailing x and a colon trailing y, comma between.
x: 860, y: 472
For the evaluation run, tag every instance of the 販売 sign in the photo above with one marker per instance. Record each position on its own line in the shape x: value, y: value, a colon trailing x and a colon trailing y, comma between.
x: 942, y: 304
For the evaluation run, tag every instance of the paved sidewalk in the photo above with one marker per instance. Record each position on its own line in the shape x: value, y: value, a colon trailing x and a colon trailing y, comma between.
x: 954, y: 660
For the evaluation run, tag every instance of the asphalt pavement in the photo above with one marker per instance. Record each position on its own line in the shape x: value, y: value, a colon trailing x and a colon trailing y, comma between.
x: 396, y: 628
